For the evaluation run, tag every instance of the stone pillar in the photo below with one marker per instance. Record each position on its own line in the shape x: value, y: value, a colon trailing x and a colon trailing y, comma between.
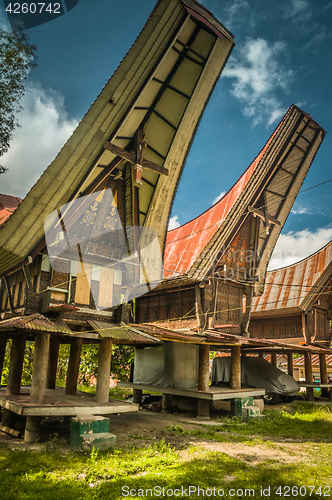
x: 290, y: 367
x: 40, y: 367
x: 53, y: 362
x: 137, y: 396
x: 32, y: 429
x: 167, y: 403
x: 3, y: 343
x: 236, y: 367
x: 14, y: 376
x: 203, y: 408
x: 203, y: 367
x: 73, y: 365
x: 323, y: 368
x: 104, y: 371
x: 308, y: 375
x: 274, y: 358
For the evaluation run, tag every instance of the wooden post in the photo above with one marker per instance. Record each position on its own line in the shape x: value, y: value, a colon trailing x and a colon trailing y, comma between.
x: 73, y: 365
x: 290, y: 367
x: 3, y: 343
x: 53, y: 362
x: 274, y: 358
x: 14, y: 376
x: 16, y: 365
x: 308, y: 375
x: 261, y: 354
x: 40, y: 367
x: 236, y: 367
x: 203, y: 367
x: 104, y: 371
x: 323, y: 368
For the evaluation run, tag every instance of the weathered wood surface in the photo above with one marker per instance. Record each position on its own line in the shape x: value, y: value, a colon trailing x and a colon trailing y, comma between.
x: 56, y: 402
x: 214, y: 393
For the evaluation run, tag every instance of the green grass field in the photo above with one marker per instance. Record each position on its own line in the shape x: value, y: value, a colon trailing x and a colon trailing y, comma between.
x: 203, y: 460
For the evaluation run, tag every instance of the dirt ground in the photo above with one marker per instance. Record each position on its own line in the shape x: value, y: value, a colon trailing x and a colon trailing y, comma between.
x: 144, y: 427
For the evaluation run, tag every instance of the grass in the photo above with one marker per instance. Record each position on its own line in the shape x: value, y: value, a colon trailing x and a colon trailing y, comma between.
x: 111, y: 475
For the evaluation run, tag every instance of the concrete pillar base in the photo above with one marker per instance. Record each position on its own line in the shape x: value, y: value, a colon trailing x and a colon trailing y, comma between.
x: 137, y: 396
x: 32, y: 429
x: 167, y: 404
x: 203, y: 409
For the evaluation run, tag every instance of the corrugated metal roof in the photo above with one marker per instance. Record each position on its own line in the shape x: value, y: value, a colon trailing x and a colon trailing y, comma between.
x: 314, y: 360
x: 290, y: 287
x: 122, y: 333
x: 278, y: 172
x: 8, y: 205
x: 35, y: 322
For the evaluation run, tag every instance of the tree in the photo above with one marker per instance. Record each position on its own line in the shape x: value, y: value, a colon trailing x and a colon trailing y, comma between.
x: 17, y: 58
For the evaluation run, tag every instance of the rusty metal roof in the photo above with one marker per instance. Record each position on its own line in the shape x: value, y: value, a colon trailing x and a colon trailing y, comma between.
x: 294, y: 288
x: 34, y: 322
x: 8, y: 205
x: 277, y: 173
x: 122, y: 334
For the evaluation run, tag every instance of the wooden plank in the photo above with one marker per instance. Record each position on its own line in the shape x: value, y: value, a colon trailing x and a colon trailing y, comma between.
x: 215, y: 393
x: 83, y: 282
x: 106, y: 287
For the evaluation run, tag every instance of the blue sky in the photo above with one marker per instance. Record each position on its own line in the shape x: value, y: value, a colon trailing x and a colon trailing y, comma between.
x: 282, y: 56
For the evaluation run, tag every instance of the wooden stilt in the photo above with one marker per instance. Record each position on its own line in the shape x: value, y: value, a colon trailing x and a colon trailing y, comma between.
x: 40, y: 367
x: 308, y: 375
x: 261, y: 354
x: 73, y: 365
x: 3, y: 343
x: 323, y: 368
x: 273, y: 358
x: 14, y: 376
x: 53, y: 362
x: 290, y: 367
x: 203, y: 367
x: 16, y: 365
x: 104, y: 371
x: 236, y: 367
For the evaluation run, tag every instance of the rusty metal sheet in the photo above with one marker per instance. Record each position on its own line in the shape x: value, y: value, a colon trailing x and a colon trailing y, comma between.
x: 35, y: 322
x: 8, y: 205
x: 289, y: 287
x: 122, y: 332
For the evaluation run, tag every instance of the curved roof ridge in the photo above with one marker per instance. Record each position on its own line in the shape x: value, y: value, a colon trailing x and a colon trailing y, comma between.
x: 311, y: 256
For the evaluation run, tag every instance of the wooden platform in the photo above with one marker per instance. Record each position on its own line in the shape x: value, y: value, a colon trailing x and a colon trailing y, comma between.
x: 57, y: 403
x: 214, y: 394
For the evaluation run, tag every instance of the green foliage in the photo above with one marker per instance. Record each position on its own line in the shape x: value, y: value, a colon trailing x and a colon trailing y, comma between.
x: 27, y: 363
x: 122, y: 356
x: 17, y: 58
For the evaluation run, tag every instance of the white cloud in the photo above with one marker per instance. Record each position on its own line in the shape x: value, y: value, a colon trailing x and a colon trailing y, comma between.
x: 45, y: 127
x: 219, y: 197
x: 295, y: 246
x: 234, y: 12
x: 173, y: 222
x: 298, y: 9
x: 258, y: 73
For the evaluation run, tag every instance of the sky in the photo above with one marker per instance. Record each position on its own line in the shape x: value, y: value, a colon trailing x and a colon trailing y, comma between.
x: 282, y: 56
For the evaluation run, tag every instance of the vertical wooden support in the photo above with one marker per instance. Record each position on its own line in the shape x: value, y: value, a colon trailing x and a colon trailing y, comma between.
x: 3, y: 343
x: 40, y: 367
x: 323, y: 368
x: 274, y: 358
x: 14, y: 376
x: 261, y: 354
x: 104, y: 371
x: 16, y: 365
x: 236, y: 367
x: 308, y: 375
x: 53, y: 362
x: 73, y: 365
x: 203, y: 367
x: 137, y: 396
x: 290, y: 367
x: 199, y: 309
x: 248, y: 293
